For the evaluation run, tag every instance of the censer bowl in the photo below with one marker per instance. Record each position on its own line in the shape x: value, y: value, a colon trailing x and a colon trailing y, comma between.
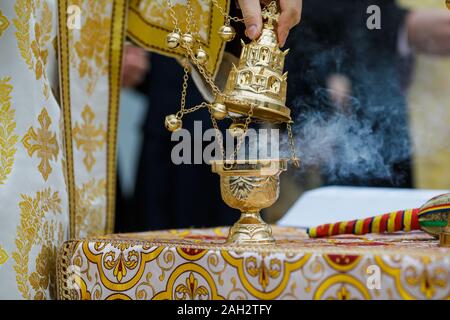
x: 249, y: 186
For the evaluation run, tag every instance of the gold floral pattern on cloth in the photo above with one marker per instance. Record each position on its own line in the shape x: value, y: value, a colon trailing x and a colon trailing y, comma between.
x: 8, y: 138
x: 427, y: 280
x: 43, y: 142
x: 90, y: 68
x: 89, y: 137
x: 36, y: 229
x: 264, y: 275
x: 189, y: 282
x: 34, y: 40
x: 122, y: 263
x: 342, y: 287
x: 90, y: 52
x: 43, y: 278
x: 197, y: 264
x: 3, y: 255
x: 191, y: 289
x: 90, y: 198
x: 4, y: 23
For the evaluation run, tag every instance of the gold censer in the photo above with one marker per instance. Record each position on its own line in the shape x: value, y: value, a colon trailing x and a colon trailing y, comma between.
x: 256, y: 89
x: 250, y: 186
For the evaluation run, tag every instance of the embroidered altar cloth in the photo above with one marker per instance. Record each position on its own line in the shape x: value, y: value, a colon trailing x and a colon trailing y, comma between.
x: 197, y: 264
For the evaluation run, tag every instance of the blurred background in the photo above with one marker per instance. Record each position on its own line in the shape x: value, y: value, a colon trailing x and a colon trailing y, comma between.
x: 371, y: 106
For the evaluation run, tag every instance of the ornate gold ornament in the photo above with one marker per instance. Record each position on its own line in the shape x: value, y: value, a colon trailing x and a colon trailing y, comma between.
x: 8, y: 137
x: 259, y: 79
x: 43, y: 142
x: 250, y: 186
x: 256, y: 89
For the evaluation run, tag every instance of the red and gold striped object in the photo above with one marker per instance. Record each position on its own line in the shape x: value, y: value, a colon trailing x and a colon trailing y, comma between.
x: 432, y: 218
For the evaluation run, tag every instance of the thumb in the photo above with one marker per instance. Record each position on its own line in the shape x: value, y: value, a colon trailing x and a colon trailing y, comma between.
x: 251, y: 11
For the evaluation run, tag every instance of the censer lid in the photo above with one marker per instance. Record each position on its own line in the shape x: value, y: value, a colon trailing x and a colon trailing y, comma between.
x: 258, y: 80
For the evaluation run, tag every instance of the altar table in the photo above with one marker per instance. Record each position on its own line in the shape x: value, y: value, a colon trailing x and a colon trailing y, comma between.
x: 196, y: 264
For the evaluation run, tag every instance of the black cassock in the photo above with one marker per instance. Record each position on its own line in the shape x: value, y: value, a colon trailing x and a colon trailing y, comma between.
x: 332, y: 38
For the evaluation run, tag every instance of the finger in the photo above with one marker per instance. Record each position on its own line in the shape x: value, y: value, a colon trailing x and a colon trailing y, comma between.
x: 290, y: 16
x: 251, y: 11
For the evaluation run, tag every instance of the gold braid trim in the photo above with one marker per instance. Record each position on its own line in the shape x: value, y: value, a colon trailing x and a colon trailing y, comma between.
x: 64, y: 273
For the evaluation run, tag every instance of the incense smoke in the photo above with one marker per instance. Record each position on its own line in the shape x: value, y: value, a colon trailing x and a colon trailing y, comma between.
x: 361, y: 144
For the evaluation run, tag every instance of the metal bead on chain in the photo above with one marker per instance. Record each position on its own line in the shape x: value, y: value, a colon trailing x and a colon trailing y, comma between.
x: 173, y: 40
x: 227, y: 33
x: 187, y: 40
x: 237, y: 129
x: 219, y: 111
x: 172, y: 123
x: 201, y: 56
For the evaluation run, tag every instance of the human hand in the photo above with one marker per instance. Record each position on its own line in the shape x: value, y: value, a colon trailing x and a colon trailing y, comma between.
x: 135, y: 66
x: 289, y: 17
x: 429, y: 31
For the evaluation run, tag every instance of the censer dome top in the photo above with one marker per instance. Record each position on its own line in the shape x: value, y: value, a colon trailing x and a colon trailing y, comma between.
x: 258, y: 79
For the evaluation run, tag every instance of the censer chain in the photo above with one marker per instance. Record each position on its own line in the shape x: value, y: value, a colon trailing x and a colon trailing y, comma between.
x: 182, y: 111
x: 173, y: 15
x: 294, y: 158
x: 208, y: 78
x: 240, y: 138
x: 227, y: 17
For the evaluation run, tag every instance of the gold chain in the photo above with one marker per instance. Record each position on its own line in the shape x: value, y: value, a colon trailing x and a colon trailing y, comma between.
x: 240, y: 139
x: 197, y: 107
x: 173, y: 15
x: 182, y: 111
x: 294, y: 158
x: 189, y: 16
x: 190, y: 55
x: 227, y: 17
x: 218, y: 135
